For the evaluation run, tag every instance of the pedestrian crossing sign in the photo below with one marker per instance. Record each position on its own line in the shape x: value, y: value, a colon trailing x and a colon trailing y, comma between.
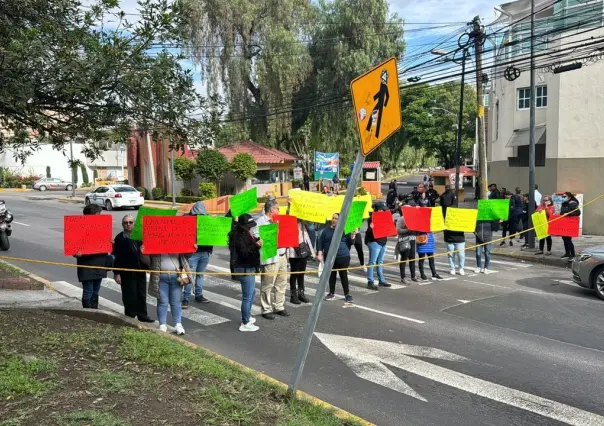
x: 377, y: 105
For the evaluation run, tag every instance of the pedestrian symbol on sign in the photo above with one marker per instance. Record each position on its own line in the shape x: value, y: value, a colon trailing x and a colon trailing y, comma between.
x: 382, y: 97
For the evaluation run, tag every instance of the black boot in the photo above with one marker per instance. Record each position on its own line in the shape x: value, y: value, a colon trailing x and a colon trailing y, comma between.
x: 94, y: 302
x: 294, y: 297
x: 302, y: 297
x: 86, y: 303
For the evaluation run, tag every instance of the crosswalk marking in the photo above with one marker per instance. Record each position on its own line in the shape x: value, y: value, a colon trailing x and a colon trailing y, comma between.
x: 192, y: 313
x: 236, y: 287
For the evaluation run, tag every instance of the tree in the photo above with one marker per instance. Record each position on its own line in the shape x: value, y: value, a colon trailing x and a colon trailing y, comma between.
x: 65, y: 77
x: 244, y: 166
x: 211, y: 166
x: 184, y: 169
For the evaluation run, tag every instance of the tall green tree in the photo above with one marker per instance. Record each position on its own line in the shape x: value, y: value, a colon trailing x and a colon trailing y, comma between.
x: 184, y: 169
x: 211, y: 166
x: 244, y: 166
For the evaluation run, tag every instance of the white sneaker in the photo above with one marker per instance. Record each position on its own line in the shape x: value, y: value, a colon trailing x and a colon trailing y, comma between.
x: 462, y: 272
x: 486, y: 271
x: 452, y: 271
x: 252, y: 320
x: 478, y: 270
x: 364, y: 269
x: 248, y: 327
x: 179, y: 330
x: 163, y: 327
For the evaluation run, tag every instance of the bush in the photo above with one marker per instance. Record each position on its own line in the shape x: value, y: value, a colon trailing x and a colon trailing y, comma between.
x: 244, y: 166
x: 157, y: 193
x: 84, y: 175
x: 361, y: 191
x: 48, y: 172
x: 143, y: 191
x: 186, y: 192
x: 207, y: 190
x: 345, y: 171
x: 188, y: 200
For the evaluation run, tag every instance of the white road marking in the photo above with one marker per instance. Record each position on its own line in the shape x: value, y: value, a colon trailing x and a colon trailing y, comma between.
x: 366, y: 358
x: 512, y: 264
x: 463, y: 301
x: 237, y: 287
x: 568, y: 282
x: 507, y: 288
x: 390, y: 314
x: 22, y: 224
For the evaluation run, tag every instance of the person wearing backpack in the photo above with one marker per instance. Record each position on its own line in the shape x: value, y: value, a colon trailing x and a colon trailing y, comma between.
x: 570, y: 207
x: 298, y: 258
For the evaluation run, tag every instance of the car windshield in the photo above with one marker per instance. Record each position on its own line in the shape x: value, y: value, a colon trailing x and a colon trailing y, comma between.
x: 124, y: 189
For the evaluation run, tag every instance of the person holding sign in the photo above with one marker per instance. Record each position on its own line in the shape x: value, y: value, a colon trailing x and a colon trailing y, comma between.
x: 425, y: 248
x: 377, y: 250
x: 484, y: 236
x: 198, y: 261
x: 405, y: 247
x: 456, y: 245
x: 298, y: 258
x: 547, y: 205
x: 274, y: 267
x: 127, y: 253
x: 91, y: 277
x: 342, y: 260
x: 570, y: 207
x: 245, y: 259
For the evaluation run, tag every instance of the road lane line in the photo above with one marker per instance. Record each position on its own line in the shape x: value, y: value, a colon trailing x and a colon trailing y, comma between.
x: 389, y: 314
x: 22, y: 224
x: 507, y: 288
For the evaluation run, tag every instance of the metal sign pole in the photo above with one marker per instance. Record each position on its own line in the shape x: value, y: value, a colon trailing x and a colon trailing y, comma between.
x: 327, y: 267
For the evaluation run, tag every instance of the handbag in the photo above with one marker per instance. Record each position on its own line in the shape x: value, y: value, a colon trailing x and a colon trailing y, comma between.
x: 303, y: 250
x: 421, y: 239
x: 182, y: 276
x: 403, y: 244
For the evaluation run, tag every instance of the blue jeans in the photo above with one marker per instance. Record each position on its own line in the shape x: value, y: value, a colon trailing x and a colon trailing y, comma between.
x: 90, y: 289
x: 248, y: 287
x: 461, y: 255
x: 487, y: 254
x: 199, y: 263
x: 376, y: 257
x: 169, y: 293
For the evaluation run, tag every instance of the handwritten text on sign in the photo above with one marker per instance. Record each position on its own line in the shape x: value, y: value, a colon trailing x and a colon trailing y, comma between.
x: 137, y: 231
x: 268, y: 235
x: 308, y: 206
x: 355, y: 216
x: 288, y: 232
x: 567, y: 226
x: 437, y: 223
x: 417, y: 218
x: 493, y: 209
x: 244, y: 202
x: 89, y: 234
x: 462, y: 220
x: 169, y: 235
x: 213, y: 231
x: 383, y: 224
x: 540, y: 224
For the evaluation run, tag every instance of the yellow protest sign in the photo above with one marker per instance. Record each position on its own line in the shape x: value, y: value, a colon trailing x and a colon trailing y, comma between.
x: 463, y: 220
x: 308, y: 206
x: 377, y: 105
x: 282, y: 210
x: 333, y: 205
x: 540, y: 224
x: 437, y: 223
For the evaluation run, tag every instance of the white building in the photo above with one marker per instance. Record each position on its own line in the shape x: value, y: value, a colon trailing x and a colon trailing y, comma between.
x: 569, y: 131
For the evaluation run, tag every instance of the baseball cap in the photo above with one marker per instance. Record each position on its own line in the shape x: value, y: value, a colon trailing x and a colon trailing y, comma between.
x: 246, y: 219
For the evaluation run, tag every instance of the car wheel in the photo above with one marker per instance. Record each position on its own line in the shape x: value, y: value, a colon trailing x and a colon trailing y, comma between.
x: 108, y: 205
x: 42, y: 188
x: 68, y: 188
x: 597, y: 281
x: 87, y: 201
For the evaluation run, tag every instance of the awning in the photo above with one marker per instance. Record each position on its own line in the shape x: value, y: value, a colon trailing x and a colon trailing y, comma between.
x: 521, y: 137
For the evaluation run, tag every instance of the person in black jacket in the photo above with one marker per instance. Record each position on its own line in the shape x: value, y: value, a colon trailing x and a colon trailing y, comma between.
x: 432, y: 195
x: 570, y: 207
x: 127, y: 254
x: 245, y: 257
x: 91, y: 277
x: 515, y: 218
x: 448, y: 199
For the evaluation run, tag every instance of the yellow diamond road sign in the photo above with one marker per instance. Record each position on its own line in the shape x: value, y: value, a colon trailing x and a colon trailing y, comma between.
x: 377, y: 105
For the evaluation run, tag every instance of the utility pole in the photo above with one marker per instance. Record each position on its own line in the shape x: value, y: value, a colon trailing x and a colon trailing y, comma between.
x: 530, y: 236
x: 479, y: 38
x: 460, y: 127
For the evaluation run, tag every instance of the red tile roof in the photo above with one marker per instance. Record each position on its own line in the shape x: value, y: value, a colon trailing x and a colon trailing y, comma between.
x: 371, y: 165
x: 262, y: 154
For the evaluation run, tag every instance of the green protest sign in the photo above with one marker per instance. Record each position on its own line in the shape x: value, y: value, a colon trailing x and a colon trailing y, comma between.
x: 244, y: 202
x: 268, y: 235
x: 493, y: 209
x: 137, y: 231
x: 355, y: 216
x: 213, y: 231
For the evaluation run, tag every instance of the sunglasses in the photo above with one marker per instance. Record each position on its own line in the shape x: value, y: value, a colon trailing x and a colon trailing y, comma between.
x: 128, y: 223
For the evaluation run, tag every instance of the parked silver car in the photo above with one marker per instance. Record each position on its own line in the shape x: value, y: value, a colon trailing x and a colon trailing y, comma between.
x: 53, y: 184
x: 588, y: 270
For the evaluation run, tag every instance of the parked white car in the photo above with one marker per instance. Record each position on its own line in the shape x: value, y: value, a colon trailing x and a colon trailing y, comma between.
x: 115, y: 197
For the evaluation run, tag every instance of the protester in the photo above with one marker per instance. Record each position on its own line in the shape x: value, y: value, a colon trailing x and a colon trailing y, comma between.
x: 91, y: 277
x: 423, y: 200
x: 415, y: 194
x: 275, y: 269
x: 377, y: 250
x: 392, y: 185
x: 391, y: 199
x: 484, y: 236
x: 525, y: 221
x: 515, y: 218
x: 493, y: 193
x: 342, y: 260
x: 447, y: 199
x: 306, y: 182
x: 336, y: 184
x: 547, y: 205
x: 504, y: 193
x: 538, y: 195
x: 425, y: 247
x: 506, y: 224
x: 172, y: 273
x: 358, y: 246
x: 298, y: 258
x: 245, y: 255
x: 456, y: 245
x: 570, y: 207
x: 127, y: 254
x: 405, y: 248
x: 432, y: 195
x: 198, y: 262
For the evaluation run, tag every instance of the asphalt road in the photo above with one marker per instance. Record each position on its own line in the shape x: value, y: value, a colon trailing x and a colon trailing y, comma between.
x: 522, y: 346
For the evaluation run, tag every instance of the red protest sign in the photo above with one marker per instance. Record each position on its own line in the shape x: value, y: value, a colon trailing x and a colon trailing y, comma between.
x: 169, y: 235
x: 383, y: 224
x: 417, y: 218
x: 87, y: 234
x: 567, y: 226
x: 288, y: 231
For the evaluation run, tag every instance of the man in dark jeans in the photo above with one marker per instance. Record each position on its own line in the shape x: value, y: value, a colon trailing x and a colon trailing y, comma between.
x: 134, y: 284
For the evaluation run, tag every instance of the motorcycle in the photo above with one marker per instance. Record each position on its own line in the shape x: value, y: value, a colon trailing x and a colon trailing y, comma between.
x: 6, y: 218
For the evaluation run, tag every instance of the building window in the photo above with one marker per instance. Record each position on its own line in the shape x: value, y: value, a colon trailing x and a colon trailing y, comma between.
x: 524, y: 97
x: 522, y: 157
x: 265, y: 177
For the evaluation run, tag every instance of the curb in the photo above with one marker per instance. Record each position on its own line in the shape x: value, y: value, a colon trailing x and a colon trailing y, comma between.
x: 542, y: 260
x: 28, y: 274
